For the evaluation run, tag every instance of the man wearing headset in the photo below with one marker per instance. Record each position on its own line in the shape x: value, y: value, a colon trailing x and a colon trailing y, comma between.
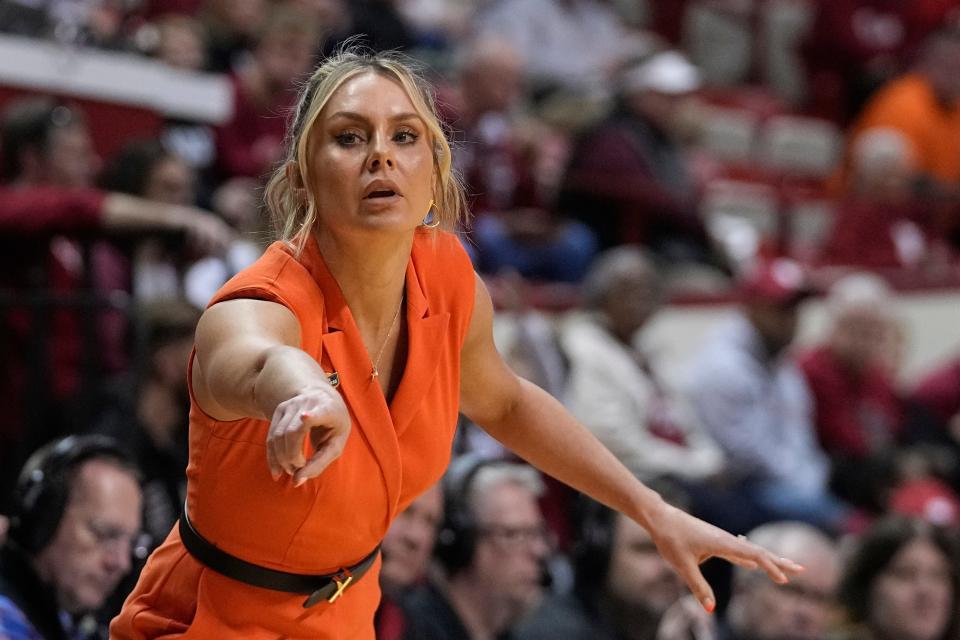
x: 491, y: 549
x: 76, y: 516
x: 622, y: 586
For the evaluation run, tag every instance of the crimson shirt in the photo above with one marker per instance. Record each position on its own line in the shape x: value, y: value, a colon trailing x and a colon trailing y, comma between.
x: 855, y: 415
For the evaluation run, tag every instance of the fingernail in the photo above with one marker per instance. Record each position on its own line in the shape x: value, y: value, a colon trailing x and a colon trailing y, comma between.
x: 709, y: 605
x: 299, y: 482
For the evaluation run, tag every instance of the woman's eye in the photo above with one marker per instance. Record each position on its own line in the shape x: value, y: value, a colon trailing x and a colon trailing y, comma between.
x: 348, y: 138
x: 405, y: 137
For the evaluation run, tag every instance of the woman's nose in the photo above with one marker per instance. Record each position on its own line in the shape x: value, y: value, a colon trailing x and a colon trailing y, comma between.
x: 380, y: 154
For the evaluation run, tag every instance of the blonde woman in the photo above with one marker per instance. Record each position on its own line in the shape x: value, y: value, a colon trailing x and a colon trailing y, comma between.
x: 327, y: 379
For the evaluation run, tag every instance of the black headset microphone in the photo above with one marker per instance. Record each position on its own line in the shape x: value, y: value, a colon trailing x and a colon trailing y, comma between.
x: 457, y: 537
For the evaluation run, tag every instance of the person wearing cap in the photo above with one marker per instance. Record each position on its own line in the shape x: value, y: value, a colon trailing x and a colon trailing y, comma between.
x: 754, y: 401
x: 628, y: 178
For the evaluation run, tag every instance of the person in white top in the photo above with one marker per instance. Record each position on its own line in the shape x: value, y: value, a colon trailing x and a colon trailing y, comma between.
x: 614, y: 388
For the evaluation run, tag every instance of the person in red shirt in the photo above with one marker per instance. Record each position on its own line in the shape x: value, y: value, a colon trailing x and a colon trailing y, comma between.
x: 878, y: 202
x: 46, y: 202
x: 859, y: 415
x: 264, y: 95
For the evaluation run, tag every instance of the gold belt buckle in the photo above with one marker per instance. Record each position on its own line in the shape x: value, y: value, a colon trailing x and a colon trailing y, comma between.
x: 341, y: 587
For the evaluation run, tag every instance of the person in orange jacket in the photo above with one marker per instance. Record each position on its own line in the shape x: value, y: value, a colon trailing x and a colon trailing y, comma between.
x: 327, y: 378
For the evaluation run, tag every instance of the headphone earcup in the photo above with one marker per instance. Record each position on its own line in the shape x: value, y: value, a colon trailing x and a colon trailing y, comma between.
x: 39, y: 500
x: 42, y: 491
x: 455, y: 540
x: 457, y: 536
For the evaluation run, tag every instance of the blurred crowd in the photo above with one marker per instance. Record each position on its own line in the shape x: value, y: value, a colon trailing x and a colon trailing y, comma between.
x: 619, y: 156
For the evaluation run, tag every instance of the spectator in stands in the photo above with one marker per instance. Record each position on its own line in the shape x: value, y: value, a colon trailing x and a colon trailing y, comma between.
x: 615, y: 388
x: 492, y: 547
x: 407, y: 549
x: 72, y: 537
x: 148, y: 412
x: 498, y: 155
x: 181, y: 42
x: 879, y: 201
x: 148, y: 169
x: 105, y: 24
x: 859, y: 413
x: 544, y: 31
x: 145, y: 168
x: 901, y: 582
x: 924, y: 105
x: 855, y: 46
x: 755, y: 403
x: 232, y: 27
x: 49, y: 162
x: 622, y: 586
x: 380, y: 24
x: 265, y: 92
x: 49, y: 165
x: 484, y: 108
x: 628, y: 178
x: 803, y: 610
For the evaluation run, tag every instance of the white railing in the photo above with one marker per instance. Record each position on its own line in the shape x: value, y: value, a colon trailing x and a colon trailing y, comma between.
x: 119, y: 78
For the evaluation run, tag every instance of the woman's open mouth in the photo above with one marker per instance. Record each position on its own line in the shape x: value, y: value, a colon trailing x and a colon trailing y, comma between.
x: 382, y: 193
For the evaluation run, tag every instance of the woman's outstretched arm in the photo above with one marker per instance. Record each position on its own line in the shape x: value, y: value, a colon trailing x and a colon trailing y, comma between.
x: 248, y: 363
x: 535, y: 426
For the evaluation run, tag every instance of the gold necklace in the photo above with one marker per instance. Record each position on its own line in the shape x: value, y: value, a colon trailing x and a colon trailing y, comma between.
x: 375, y: 372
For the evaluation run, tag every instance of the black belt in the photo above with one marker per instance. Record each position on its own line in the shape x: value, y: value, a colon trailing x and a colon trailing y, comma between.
x: 327, y: 587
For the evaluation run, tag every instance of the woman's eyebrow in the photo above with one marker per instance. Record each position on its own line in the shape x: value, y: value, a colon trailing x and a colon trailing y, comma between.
x: 359, y: 117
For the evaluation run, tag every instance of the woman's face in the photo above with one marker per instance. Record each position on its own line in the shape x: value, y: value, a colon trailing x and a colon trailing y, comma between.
x: 371, y: 161
x: 913, y: 596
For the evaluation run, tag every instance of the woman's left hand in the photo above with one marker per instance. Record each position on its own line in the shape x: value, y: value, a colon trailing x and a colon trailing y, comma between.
x: 686, y: 542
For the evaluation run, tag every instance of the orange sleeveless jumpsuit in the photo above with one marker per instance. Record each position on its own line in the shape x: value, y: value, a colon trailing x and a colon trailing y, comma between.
x: 392, y: 455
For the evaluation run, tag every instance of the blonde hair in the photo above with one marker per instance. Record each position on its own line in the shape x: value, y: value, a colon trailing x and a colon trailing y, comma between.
x: 293, y: 216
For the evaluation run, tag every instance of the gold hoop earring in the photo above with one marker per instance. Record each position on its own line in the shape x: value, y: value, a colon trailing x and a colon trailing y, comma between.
x: 432, y: 221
